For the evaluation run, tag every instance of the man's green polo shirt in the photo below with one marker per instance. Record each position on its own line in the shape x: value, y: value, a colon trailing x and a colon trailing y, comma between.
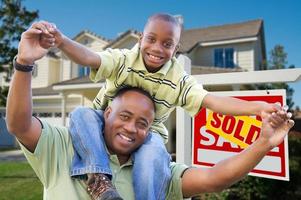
x: 52, y: 159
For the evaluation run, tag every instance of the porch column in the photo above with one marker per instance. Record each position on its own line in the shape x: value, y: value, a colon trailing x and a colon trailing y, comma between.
x: 183, y: 127
x: 63, y: 108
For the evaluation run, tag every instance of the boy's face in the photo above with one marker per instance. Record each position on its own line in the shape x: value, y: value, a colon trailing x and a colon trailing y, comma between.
x: 159, y: 43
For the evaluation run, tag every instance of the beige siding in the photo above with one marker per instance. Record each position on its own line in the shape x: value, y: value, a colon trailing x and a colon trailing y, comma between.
x: 54, y: 105
x: 203, y: 56
x: 74, y: 70
x: 65, y: 69
x: 127, y: 44
x: 97, y: 45
x: 41, y: 80
x: 258, y: 57
x: 92, y: 43
x: 243, y: 55
x: 54, y: 71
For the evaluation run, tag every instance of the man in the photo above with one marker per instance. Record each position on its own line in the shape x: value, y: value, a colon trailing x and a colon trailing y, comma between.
x: 127, y: 120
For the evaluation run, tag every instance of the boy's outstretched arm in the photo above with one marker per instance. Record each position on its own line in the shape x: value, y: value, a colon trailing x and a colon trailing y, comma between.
x: 225, y: 173
x: 233, y: 106
x: 74, y: 50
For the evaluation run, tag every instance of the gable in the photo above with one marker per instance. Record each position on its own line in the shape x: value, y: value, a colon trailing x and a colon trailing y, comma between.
x: 238, y: 31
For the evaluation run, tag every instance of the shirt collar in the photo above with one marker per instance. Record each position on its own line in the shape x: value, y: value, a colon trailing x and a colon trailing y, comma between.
x: 114, y: 159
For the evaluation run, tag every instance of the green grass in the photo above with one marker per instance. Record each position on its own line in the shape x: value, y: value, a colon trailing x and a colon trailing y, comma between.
x: 7, y: 148
x: 19, y: 182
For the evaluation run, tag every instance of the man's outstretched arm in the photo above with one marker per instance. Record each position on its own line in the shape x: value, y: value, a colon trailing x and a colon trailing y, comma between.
x: 19, y: 104
x: 227, y: 172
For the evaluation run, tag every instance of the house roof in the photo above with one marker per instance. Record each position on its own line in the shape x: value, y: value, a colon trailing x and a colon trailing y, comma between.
x: 52, y: 53
x: 44, y: 91
x: 78, y: 80
x: 191, y: 37
x: 212, y: 70
x: 122, y: 36
x: 87, y: 32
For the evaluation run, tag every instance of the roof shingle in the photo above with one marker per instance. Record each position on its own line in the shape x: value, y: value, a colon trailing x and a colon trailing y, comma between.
x: 191, y: 37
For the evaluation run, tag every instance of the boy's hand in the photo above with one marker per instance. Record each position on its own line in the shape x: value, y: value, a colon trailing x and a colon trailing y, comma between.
x: 275, y: 127
x: 266, y: 109
x: 51, y: 36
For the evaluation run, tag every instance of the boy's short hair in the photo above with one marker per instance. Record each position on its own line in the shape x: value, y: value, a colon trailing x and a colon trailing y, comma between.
x: 165, y: 17
x: 127, y: 88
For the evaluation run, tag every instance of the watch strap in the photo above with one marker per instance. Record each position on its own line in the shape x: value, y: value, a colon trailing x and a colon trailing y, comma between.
x: 22, y: 68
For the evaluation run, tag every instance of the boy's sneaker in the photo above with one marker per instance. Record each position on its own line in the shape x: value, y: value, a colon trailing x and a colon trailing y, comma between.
x: 100, y: 187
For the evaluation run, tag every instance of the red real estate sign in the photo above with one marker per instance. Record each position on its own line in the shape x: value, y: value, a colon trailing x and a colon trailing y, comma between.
x: 217, y: 136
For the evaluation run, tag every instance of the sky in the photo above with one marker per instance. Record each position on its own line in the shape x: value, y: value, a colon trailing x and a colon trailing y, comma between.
x: 109, y: 18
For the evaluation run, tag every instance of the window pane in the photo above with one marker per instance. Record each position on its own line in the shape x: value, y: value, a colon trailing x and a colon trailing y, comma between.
x: 229, y: 55
x: 218, y: 58
x: 83, y: 71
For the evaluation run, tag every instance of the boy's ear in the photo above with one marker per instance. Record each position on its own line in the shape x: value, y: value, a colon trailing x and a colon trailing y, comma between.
x: 140, y: 38
x: 176, y: 49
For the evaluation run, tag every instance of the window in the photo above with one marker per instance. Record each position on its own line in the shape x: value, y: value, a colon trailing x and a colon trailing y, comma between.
x: 45, y: 114
x: 57, y: 114
x: 83, y: 71
x: 224, y: 57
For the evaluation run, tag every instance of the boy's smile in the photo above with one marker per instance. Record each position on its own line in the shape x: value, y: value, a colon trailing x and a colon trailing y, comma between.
x: 159, y: 43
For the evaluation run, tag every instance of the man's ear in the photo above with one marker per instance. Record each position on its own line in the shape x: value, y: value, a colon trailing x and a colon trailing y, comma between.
x: 107, y: 112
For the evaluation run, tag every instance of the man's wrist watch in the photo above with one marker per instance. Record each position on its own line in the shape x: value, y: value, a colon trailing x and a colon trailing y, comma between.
x: 22, y: 68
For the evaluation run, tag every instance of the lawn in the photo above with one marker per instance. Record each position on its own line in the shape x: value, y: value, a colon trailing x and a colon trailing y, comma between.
x: 19, y: 182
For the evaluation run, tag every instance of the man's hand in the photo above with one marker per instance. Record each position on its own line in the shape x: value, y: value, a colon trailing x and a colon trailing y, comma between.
x: 30, y: 49
x: 275, y: 127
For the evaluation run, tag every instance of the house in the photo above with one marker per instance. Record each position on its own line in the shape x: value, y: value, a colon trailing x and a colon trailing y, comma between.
x: 6, y: 139
x: 59, y: 85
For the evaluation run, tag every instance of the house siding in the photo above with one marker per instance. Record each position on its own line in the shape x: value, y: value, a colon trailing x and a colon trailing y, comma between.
x: 97, y: 45
x: 66, y: 69
x: 258, y: 57
x: 41, y: 80
x: 243, y: 56
x: 54, y: 71
x: 6, y: 139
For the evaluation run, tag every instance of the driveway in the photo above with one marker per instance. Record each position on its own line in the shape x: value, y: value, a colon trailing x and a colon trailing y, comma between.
x: 13, y: 155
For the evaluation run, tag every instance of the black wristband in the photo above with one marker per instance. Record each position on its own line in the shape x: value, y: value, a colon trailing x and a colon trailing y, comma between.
x: 22, y: 68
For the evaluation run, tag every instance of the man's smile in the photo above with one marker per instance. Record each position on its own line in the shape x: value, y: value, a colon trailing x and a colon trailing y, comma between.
x: 126, y: 138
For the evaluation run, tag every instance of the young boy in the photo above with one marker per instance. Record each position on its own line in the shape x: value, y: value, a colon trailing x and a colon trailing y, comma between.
x: 151, y: 65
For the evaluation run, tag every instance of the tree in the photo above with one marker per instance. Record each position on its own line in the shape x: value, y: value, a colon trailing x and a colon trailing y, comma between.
x: 260, y: 188
x: 278, y: 60
x: 14, y: 19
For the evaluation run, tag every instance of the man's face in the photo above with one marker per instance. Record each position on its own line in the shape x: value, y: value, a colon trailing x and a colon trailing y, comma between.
x: 158, y: 43
x: 127, y: 122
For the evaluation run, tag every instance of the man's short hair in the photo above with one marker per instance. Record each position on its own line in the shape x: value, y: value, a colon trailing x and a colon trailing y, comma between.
x: 125, y: 89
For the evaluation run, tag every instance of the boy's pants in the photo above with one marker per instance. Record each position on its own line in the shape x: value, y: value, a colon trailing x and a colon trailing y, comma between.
x: 151, y: 171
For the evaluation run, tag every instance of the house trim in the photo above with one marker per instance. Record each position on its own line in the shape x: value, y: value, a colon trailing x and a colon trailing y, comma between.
x: 223, y: 42
x: 78, y: 86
